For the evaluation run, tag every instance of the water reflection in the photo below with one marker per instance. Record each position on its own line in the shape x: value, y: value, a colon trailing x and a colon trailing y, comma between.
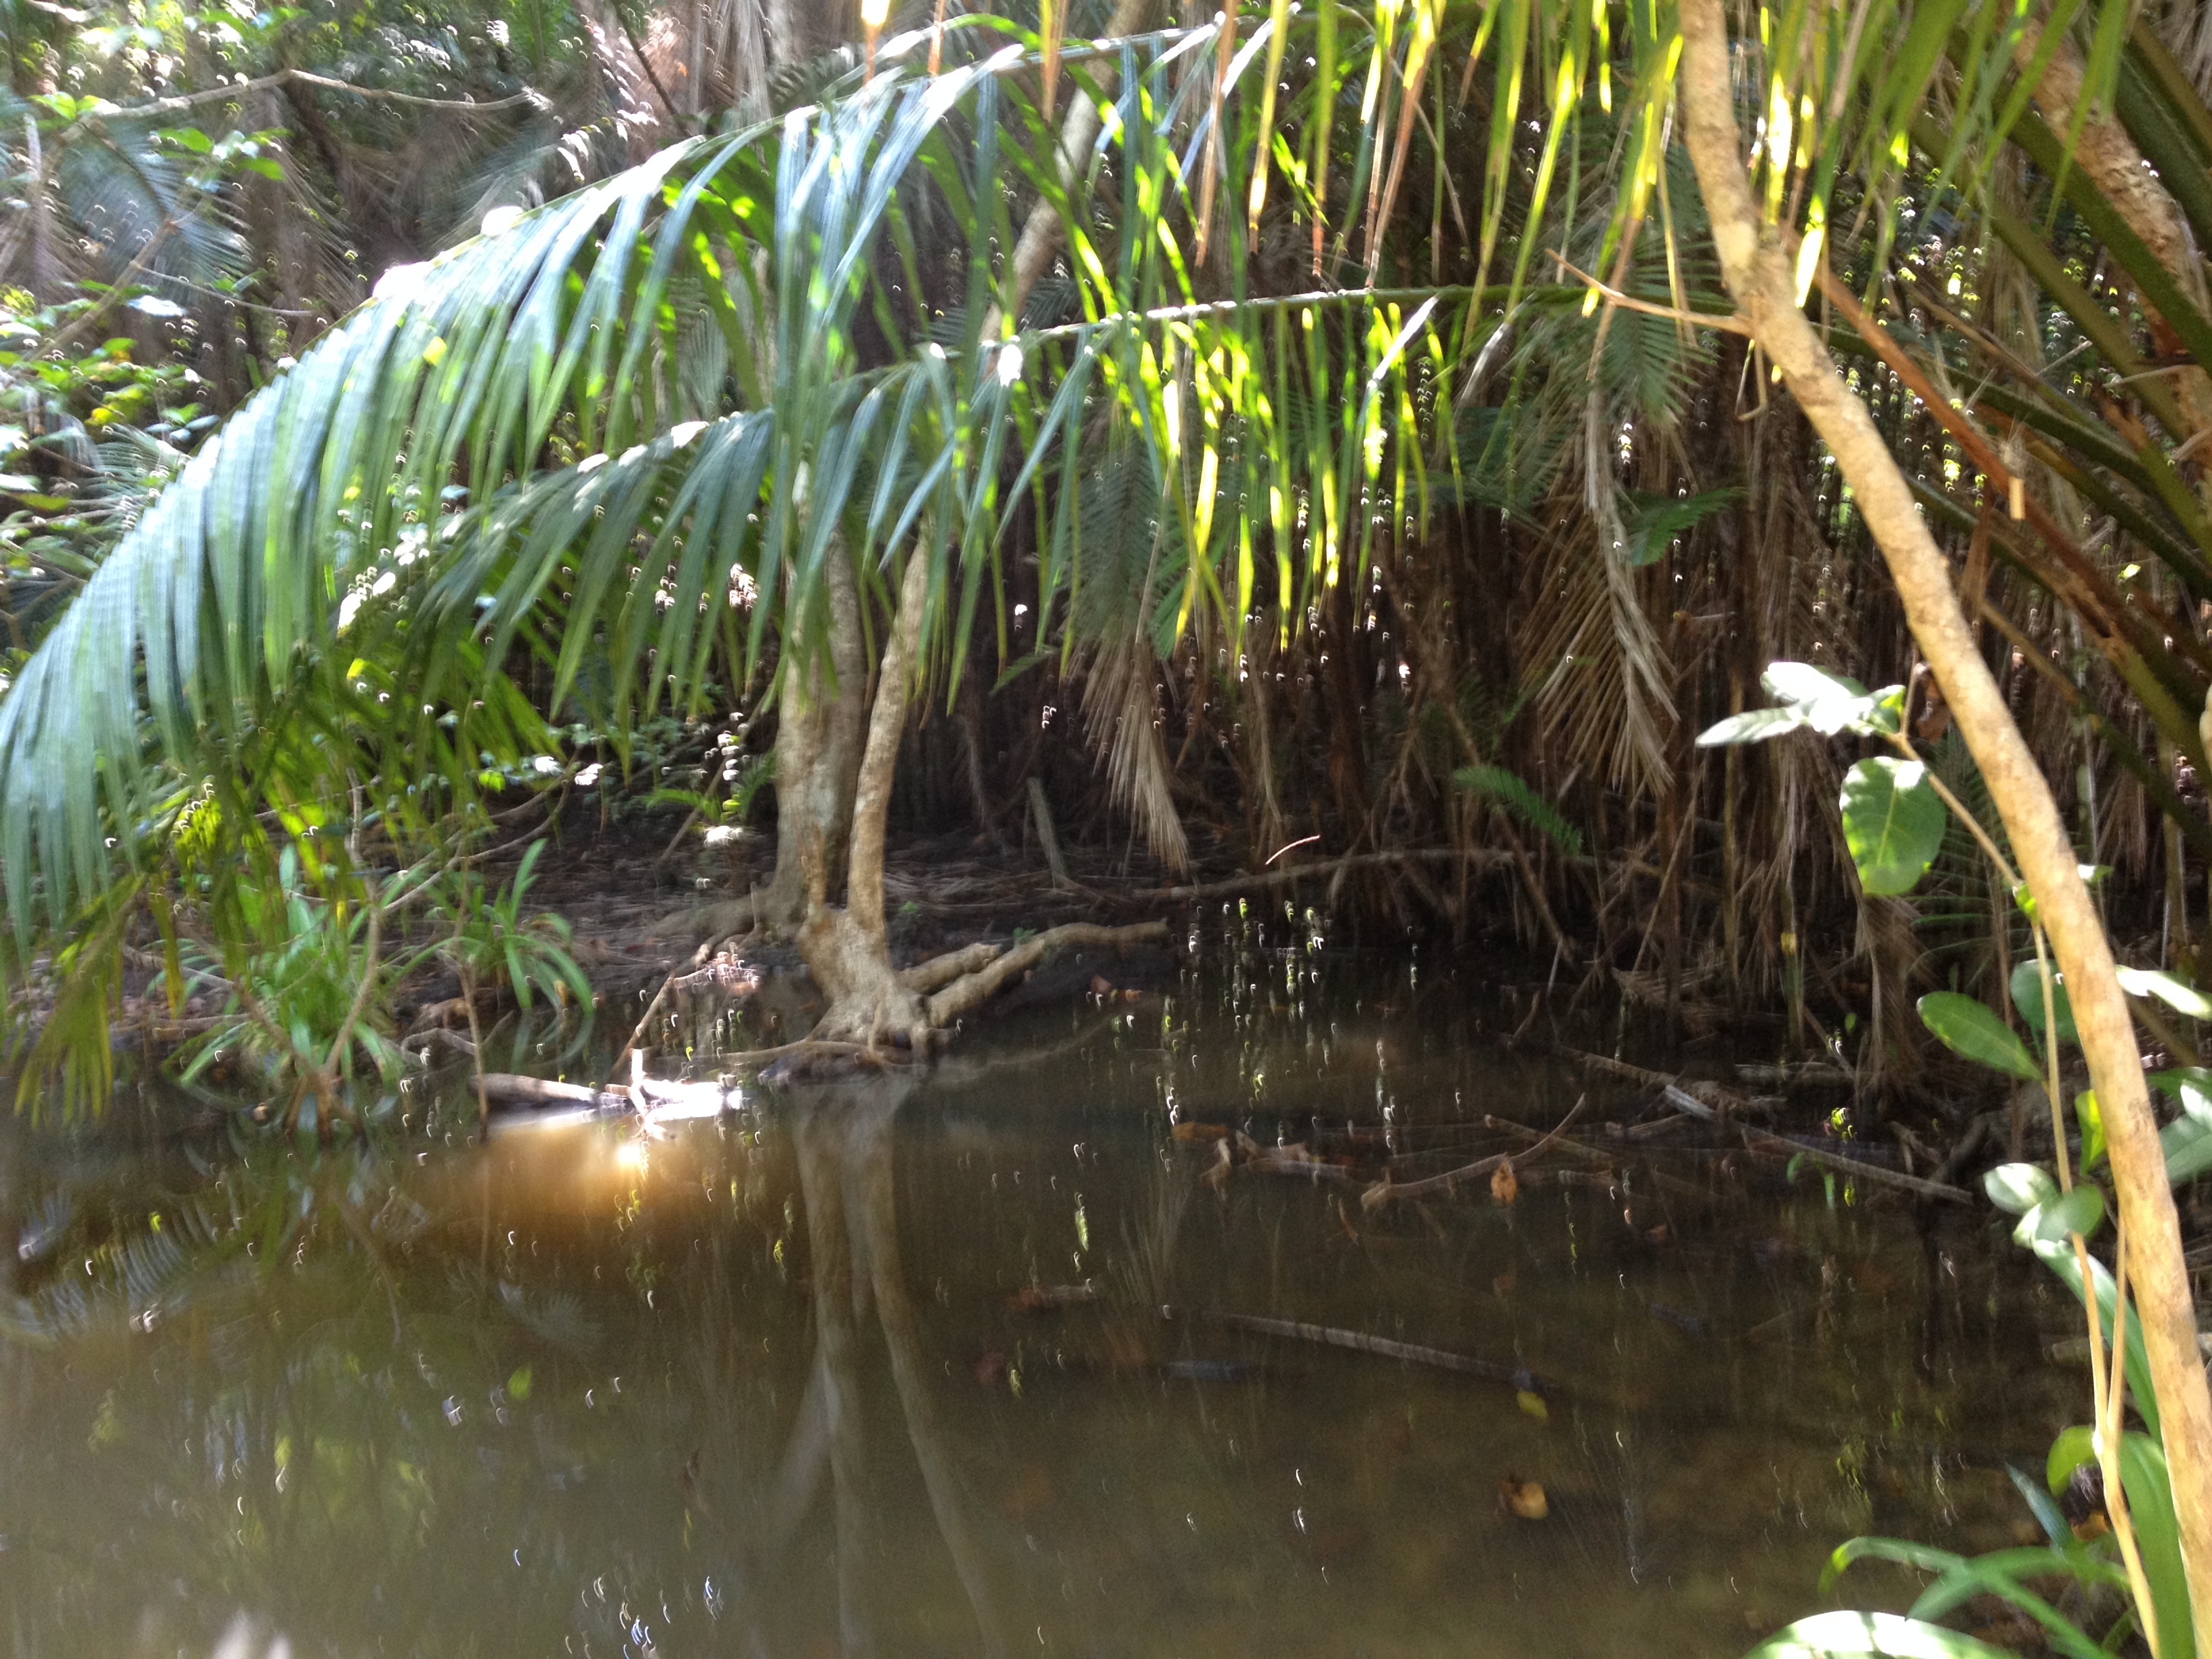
x: 938, y: 1366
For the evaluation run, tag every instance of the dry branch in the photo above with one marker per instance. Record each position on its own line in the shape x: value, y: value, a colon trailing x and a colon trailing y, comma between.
x: 1775, y: 1145
x: 1384, y: 1191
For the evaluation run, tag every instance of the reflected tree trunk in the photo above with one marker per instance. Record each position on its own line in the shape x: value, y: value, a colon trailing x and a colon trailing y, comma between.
x: 870, y: 1192
x: 833, y: 1389
x: 847, y: 1178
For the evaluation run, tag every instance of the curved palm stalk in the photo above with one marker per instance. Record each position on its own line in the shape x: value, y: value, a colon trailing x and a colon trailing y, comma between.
x: 1760, y: 275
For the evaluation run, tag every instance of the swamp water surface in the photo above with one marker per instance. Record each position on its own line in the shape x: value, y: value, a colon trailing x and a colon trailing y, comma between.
x: 811, y: 1377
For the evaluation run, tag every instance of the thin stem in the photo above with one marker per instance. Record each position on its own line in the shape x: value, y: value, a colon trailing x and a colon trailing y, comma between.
x: 2114, y: 1393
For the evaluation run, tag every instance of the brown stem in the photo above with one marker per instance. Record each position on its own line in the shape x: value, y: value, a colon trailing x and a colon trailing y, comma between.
x: 1759, y: 276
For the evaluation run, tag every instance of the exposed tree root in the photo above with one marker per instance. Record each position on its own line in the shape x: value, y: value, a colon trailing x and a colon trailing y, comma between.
x: 871, y: 1006
x: 972, y: 989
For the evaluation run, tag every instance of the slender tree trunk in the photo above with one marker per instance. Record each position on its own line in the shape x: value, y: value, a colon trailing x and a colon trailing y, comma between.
x: 1760, y: 276
x: 848, y: 950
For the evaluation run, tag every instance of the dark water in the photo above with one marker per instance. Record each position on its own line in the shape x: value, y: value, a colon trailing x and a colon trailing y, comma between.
x: 768, y: 1386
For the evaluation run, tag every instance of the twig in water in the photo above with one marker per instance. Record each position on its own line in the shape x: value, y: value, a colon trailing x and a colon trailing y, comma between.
x: 1870, y: 1172
x: 1383, y: 1191
x: 1519, y: 1376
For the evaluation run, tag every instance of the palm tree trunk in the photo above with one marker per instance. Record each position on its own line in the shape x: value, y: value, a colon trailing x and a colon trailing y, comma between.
x: 1758, y: 270
x: 848, y: 950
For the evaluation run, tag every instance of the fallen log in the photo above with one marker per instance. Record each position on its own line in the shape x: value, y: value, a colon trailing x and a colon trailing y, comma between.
x: 510, y: 1089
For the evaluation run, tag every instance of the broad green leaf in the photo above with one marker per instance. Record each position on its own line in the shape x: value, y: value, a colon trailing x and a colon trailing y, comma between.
x: 2027, y: 997
x: 2081, y: 1211
x: 1753, y: 725
x: 1831, y: 703
x: 1802, y: 684
x: 2190, y: 1084
x: 2016, y: 1188
x: 2187, y: 1144
x: 1893, y: 822
x: 1838, y: 1635
x: 1970, y: 1028
x: 2176, y: 993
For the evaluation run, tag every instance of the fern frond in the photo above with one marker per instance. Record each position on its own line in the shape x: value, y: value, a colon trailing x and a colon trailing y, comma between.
x: 1508, y: 791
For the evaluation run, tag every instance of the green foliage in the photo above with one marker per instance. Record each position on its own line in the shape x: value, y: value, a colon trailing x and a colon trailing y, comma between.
x: 307, y: 983
x: 487, y: 940
x: 85, y: 437
x: 1893, y: 823
x: 1654, y: 522
x: 1967, y: 1027
x: 2186, y: 1142
x: 2028, y: 992
x: 2050, y: 1221
x: 1811, y: 697
x: 1507, y: 790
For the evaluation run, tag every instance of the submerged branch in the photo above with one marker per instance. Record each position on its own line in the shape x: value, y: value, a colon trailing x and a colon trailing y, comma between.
x: 1519, y: 1376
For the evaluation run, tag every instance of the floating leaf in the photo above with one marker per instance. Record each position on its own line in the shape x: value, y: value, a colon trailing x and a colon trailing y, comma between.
x: 1970, y: 1028
x: 518, y: 1386
x: 1533, y: 1403
x: 1893, y: 821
